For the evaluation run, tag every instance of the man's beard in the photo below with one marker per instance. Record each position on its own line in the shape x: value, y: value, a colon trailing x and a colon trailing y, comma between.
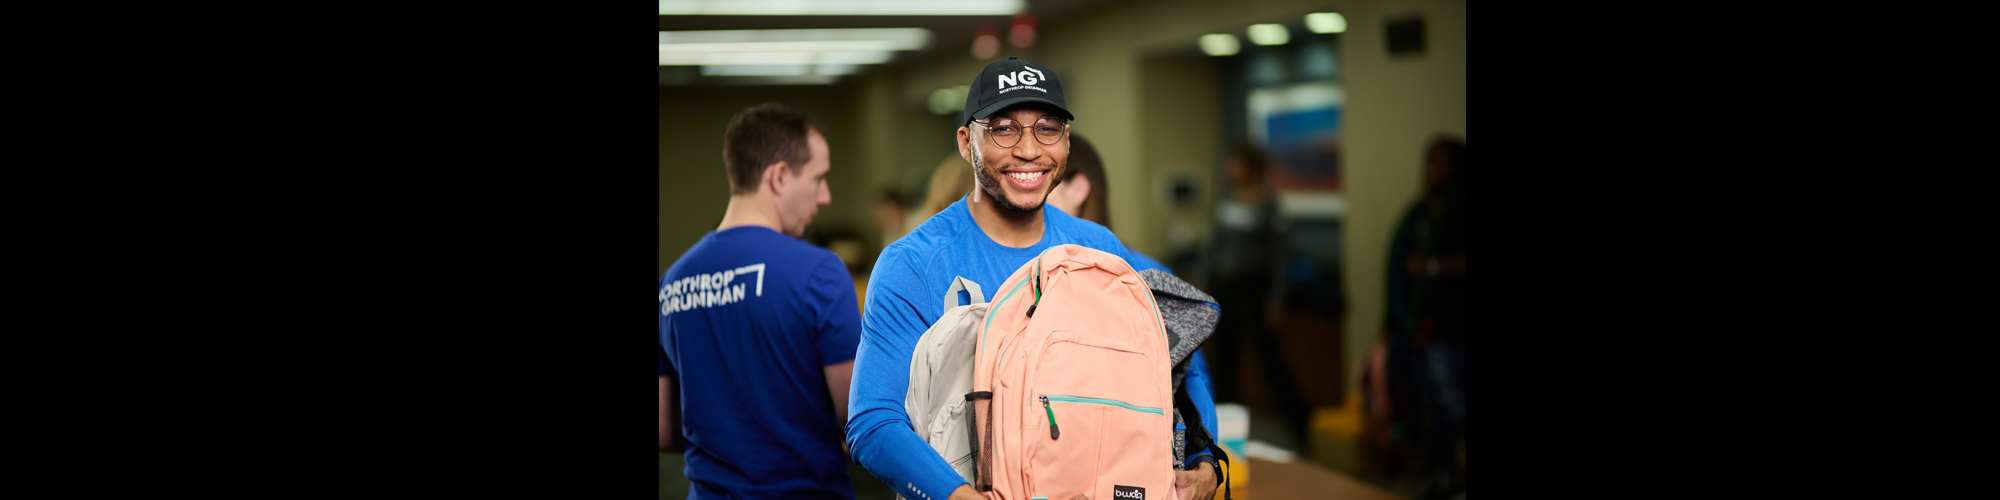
x: 998, y: 192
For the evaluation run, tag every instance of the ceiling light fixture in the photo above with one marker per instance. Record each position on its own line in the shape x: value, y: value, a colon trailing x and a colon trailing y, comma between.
x: 841, y: 7
x: 1021, y: 32
x: 1326, y: 22
x: 755, y: 70
x: 1269, y: 34
x: 901, y: 38
x: 985, y: 42
x: 788, y: 47
x: 777, y: 80
x: 1220, y: 44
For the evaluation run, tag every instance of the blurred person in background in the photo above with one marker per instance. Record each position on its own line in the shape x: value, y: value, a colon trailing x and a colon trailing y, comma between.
x: 1083, y: 190
x: 1246, y: 267
x: 1425, y: 320
x: 952, y: 180
x: 1015, y: 138
x: 891, y: 212
x: 759, y: 328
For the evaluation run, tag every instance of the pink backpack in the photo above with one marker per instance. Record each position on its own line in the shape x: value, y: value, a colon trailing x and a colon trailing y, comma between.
x: 1072, y: 389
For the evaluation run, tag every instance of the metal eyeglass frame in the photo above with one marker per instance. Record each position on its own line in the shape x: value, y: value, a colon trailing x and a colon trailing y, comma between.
x: 990, y: 137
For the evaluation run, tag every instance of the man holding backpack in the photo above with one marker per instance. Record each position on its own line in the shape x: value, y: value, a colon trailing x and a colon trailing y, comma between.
x: 1015, y: 132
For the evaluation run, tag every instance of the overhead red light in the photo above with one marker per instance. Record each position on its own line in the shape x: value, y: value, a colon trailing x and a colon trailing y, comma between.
x: 1021, y: 31
x: 985, y: 42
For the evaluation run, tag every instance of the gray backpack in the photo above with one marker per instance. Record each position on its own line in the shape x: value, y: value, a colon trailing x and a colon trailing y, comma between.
x: 941, y: 375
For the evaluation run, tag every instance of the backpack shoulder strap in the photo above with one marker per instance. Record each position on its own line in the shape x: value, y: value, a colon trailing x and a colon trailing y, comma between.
x: 970, y: 288
x: 1198, y: 439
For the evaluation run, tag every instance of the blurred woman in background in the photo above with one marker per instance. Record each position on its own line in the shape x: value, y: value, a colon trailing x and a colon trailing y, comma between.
x: 1082, y: 191
x: 952, y: 180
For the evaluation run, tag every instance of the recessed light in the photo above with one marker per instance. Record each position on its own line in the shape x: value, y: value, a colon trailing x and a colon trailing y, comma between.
x: 1220, y: 44
x: 1326, y: 22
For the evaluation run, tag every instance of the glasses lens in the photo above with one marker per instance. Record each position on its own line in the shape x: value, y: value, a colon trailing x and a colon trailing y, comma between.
x: 1005, y: 133
x: 1049, y: 131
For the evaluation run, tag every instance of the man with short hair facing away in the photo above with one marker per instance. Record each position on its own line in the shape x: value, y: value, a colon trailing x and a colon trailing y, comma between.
x: 1015, y: 134
x: 759, y: 328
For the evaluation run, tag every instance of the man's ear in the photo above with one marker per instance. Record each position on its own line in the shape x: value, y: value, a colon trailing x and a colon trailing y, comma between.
x: 965, y: 143
x: 775, y: 178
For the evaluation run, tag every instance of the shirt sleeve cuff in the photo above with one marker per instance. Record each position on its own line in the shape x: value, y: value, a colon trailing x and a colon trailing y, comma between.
x: 938, y: 489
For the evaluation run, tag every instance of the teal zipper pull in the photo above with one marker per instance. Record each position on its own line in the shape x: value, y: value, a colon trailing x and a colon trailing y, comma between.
x: 1053, y: 432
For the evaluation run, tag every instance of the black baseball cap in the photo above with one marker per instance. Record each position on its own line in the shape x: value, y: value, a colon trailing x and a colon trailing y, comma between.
x: 1010, y: 82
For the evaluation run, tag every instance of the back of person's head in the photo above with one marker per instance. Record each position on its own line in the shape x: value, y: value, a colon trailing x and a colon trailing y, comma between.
x: 762, y: 135
x: 1084, y: 161
x: 1251, y: 158
x: 890, y: 210
x: 892, y: 197
x: 952, y: 180
x: 1452, y: 149
x: 1450, y: 152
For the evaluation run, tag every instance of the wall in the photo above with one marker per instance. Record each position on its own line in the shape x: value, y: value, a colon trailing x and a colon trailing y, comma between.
x: 1177, y: 137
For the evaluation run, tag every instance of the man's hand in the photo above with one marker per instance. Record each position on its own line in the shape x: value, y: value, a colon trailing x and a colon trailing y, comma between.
x: 1197, y: 484
x: 964, y: 492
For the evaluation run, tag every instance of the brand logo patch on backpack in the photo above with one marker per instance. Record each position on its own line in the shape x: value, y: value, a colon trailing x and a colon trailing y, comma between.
x: 1128, y: 492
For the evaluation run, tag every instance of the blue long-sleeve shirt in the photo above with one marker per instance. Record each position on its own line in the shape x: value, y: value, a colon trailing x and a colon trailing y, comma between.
x: 906, y: 295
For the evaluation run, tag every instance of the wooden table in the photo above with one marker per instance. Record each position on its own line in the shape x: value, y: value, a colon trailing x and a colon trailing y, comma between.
x: 1303, y: 479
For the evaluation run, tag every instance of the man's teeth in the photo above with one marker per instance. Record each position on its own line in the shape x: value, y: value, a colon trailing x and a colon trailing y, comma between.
x: 1026, y: 176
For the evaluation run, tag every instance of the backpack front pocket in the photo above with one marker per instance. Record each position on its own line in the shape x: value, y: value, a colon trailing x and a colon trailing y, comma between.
x: 947, y: 434
x: 1099, y: 419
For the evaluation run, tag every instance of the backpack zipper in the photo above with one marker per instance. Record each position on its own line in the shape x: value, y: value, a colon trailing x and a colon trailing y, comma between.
x: 1102, y: 401
x: 1046, y: 399
x: 1053, y: 433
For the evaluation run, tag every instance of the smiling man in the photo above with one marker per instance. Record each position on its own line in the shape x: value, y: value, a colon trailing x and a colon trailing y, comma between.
x: 1015, y: 132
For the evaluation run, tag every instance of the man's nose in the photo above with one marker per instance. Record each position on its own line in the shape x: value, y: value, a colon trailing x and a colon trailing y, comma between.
x: 1028, y: 148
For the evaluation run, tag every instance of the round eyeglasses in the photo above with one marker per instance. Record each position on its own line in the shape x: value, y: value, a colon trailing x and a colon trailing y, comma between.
x: 1005, y: 132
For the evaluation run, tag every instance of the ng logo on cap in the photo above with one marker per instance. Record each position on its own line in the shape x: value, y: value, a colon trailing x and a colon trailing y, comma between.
x: 1024, y: 77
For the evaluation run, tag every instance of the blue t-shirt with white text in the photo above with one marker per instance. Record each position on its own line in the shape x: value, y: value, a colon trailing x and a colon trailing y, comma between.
x: 749, y: 318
